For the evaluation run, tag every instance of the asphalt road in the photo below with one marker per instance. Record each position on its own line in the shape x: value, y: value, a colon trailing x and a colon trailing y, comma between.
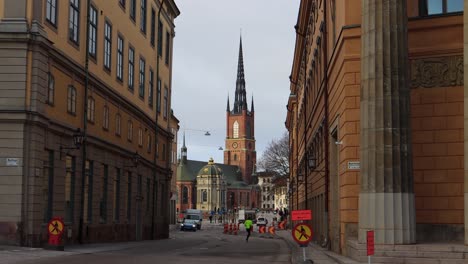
x: 208, y: 245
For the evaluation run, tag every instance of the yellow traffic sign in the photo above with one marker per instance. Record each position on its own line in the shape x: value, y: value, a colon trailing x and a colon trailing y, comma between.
x: 55, y: 227
x: 302, y: 233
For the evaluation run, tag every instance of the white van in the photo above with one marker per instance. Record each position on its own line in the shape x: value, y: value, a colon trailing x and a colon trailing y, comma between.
x: 195, y: 214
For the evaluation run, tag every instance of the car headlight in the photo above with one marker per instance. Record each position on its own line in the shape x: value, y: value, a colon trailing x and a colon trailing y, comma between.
x: 193, y: 225
x: 181, y: 224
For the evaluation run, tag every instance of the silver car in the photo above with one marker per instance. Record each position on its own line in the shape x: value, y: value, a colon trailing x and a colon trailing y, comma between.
x: 262, y: 221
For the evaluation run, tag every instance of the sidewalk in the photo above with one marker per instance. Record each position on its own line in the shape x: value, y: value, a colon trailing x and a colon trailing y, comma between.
x: 313, y: 252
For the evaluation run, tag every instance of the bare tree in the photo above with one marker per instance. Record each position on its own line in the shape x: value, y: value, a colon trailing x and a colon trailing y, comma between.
x: 276, y: 156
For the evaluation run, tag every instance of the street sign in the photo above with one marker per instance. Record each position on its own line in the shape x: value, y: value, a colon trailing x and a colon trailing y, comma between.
x: 354, y: 165
x: 299, y: 215
x: 302, y: 233
x: 370, y: 243
x: 55, y: 227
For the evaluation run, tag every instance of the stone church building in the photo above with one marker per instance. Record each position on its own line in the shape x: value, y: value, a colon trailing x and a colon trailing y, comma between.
x: 232, y: 185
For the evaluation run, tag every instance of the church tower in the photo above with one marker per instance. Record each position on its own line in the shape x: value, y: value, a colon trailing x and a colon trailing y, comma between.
x: 240, y: 136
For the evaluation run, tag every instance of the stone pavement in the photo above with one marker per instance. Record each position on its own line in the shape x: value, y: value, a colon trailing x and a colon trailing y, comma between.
x: 313, y: 252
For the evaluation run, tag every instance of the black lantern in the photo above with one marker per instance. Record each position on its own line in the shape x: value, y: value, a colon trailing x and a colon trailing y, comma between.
x: 312, y: 162
x: 78, y: 138
x: 135, y: 160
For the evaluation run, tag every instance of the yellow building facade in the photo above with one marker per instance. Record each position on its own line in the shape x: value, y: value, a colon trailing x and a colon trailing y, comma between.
x: 107, y: 84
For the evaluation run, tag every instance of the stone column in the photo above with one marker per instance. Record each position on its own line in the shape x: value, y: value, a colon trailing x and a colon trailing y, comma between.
x: 386, y: 199
x: 465, y: 76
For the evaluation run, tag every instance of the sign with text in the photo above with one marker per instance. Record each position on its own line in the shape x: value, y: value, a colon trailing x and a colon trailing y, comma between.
x: 370, y: 243
x: 354, y: 165
x: 299, y: 215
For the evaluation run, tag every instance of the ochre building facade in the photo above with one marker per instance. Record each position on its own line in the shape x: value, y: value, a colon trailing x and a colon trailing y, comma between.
x: 375, y: 118
x: 108, y: 84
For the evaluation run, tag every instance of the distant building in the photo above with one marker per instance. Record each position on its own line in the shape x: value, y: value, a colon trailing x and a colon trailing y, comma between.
x: 280, y: 191
x: 58, y: 81
x: 265, y: 182
x: 232, y: 185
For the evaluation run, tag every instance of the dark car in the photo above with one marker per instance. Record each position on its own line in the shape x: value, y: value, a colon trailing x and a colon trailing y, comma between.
x: 189, y: 224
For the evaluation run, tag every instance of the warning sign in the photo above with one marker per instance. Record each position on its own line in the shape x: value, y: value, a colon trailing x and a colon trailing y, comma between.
x: 302, y: 233
x: 55, y: 227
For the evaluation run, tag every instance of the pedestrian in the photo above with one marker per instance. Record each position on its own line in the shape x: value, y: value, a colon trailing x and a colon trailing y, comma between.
x: 211, y: 219
x: 248, y: 227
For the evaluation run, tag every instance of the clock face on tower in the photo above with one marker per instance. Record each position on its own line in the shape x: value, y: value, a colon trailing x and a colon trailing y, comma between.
x: 234, y: 145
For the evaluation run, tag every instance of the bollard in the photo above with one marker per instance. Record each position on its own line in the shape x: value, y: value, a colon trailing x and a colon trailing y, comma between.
x: 230, y: 229
x: 235, y: 230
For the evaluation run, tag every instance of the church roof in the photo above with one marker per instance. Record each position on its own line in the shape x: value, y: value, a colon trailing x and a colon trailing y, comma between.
x: 189, y: 170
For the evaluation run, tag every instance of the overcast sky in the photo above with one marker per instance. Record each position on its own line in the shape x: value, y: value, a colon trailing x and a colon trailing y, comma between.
x: 206, y: 48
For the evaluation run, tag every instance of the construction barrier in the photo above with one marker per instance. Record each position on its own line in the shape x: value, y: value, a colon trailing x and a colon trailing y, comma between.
x: 261, y: 229
x: 235, y: 229
x: 230, y: 229
x: 225, y: 228
x: 271, y: 230
x: 282, y: 225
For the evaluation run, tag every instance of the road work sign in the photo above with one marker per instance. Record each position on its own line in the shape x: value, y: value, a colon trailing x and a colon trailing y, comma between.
x: 299, y: 215
x: 55, y: 227
x: 302, y: 233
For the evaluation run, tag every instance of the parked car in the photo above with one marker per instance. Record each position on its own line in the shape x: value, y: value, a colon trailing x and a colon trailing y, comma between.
x: 262, y: 221
x: 189, y: 224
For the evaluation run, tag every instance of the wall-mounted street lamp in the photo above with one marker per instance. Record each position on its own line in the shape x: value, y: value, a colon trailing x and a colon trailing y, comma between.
x: 135, y: 160
x: 78, y: 138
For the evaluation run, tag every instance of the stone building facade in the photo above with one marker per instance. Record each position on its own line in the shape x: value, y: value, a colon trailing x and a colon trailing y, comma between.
x: 376, y: 122
x: 111, y: 88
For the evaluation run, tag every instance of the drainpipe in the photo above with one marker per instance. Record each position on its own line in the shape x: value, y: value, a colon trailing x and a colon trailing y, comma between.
x: 155, y: 160
x: 85, y: 126
x: 326, y: 125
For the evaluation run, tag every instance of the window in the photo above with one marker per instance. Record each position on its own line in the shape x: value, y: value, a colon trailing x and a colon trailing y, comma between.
x: 435, y: 7
x: 151, y: 88
x: 236, y: 130
x: 184, y: 195
x: 133, y: 9
x: 105, y: 122
x: 118, y: 127
x: 148, y: 189
x: 51, y: 12
x: 90, y: 112
x: 160, y: 37
x: 107, y: 45
x: 235, y: 157
x: 71, y: 100
x: 166, y: 105
x: 131, y: 67
x: 116, y: 201
x: 69, y: 188
x: 204, y: 196
x: 122, y: 3
x: 103, y: 201
x: 143, y: 16
x: 158, y: 102
x: 141, y: 91
x: 88, y: 193
x: 130, y: 130
x: 93, y: 24
x: 149, y: 144
x: 140, y: 137
x: 164, y: 152
x: 74, y: 27
x: 48, y: 186
x: 120, y: 49
x: 168, y: 43
x: 51, y: 90
x: 153, y: 26
x: 129, y: 196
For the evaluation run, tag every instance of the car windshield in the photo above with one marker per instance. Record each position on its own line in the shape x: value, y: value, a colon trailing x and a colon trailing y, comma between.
x: 189, y: 221
x: 194, y: 217
x: 261, y: 219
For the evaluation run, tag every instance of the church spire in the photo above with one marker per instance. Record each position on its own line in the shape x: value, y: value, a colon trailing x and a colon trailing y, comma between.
x: 252, y: 106
x: 228, y: 105
x: 183, y: 152
x: 240, y: 102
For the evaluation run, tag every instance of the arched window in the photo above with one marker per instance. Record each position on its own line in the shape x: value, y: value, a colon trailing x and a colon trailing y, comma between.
x: 185, y: 195
x: 235, y: 130
x: 204, y: 196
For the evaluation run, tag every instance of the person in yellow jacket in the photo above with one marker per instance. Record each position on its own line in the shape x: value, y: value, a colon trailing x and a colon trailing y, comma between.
x: 248, y: 227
